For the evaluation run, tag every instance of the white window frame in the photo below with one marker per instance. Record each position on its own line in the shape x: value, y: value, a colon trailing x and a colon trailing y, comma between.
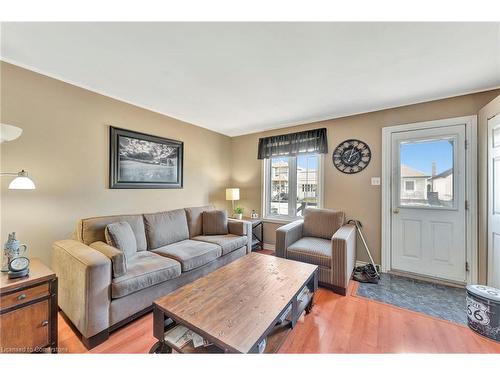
x: 292, y: 181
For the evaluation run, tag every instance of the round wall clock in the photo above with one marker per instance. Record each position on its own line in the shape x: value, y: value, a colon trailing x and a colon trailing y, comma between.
x: 351, y: 156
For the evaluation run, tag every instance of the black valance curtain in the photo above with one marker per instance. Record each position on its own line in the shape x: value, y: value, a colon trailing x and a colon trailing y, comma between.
x: 309, y: 141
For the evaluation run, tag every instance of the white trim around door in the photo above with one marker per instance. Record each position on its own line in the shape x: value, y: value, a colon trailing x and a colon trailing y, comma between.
x: 470, y: 123
x: 493, y: 223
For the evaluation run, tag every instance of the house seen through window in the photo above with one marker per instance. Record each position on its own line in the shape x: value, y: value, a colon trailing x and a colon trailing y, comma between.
x: 292, y: 184
x: 427, y: 173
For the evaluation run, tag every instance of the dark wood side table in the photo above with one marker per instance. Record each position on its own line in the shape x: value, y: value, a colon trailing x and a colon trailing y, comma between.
x: 257, y: 233
x: 28, y: 311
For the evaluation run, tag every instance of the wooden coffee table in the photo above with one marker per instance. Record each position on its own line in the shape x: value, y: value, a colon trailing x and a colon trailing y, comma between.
x: 238, y: 305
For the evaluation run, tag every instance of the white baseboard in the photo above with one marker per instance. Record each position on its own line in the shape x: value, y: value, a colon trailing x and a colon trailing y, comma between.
x: 269, y: 246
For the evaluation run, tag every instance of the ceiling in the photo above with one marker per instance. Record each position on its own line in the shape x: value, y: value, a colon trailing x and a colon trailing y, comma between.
x: 239, y: 78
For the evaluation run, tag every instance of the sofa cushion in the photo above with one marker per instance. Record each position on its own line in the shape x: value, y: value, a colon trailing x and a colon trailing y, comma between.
x: 322, y: 223
x: 195, y: 219
x: 164, y: 228
x: 92, y: 229
x: 214, y: 222
x: 144, y: 270
x: 121, y: 236
x: 191, y: 254
x: 228, y: 242
x: 311, y: 250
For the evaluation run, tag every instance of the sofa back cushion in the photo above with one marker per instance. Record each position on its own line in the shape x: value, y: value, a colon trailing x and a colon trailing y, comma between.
x: 164, y: 228
x: 121, y: 236
x: 92, y: 229
x: 322, y: 223
x: 195, y: 220
x: 214, y: 222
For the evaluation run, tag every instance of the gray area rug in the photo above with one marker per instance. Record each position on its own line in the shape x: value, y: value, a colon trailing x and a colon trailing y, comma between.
x: 436, y: 300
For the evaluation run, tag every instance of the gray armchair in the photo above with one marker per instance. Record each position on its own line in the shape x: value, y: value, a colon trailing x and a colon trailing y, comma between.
x: 323, y: 239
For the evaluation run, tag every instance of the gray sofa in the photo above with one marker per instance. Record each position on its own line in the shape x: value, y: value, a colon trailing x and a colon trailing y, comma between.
x: 321, y: 238
x: 171, y: 252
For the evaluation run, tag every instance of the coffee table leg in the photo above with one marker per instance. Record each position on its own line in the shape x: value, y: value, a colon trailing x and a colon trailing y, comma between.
x: 313, y: 286
x: 295, y: 312
x: 159, y: 332
x: 160, y: 348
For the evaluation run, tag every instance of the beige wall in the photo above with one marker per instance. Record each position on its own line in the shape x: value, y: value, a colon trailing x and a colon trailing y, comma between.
x: 64, y: 147
x: 351, y: 193
x: 490, y: 110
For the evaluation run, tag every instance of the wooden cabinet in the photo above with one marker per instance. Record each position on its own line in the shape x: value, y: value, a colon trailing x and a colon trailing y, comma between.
x: 28, y: 311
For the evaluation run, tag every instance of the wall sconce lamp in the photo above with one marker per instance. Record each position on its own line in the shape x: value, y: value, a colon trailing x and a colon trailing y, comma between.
x: 9, y: 132
x: 21, y: 182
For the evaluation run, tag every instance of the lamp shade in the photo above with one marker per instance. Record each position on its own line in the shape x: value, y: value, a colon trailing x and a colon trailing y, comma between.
x: 22, y: 182
x: 9, y: 132
x: 232, y: 194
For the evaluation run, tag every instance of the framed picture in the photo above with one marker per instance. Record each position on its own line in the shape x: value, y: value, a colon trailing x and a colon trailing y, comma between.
x: 142, y: 161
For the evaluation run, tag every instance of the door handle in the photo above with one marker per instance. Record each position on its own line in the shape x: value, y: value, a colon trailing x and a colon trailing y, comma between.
x: 396, y: 210
x: 44, y: 323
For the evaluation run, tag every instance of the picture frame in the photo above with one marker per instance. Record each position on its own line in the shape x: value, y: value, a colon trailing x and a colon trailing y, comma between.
x: 143, y: 161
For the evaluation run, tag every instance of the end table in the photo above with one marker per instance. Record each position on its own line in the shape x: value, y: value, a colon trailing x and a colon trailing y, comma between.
x: 257, y: 233
x: 28, y: 311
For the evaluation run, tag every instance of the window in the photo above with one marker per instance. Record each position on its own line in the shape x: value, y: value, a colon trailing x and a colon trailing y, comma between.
x: 426, y: 172
x: 292, y: 183
x: 409, y: 185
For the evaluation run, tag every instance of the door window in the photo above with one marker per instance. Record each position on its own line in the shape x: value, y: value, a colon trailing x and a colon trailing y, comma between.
x: 427, y: 173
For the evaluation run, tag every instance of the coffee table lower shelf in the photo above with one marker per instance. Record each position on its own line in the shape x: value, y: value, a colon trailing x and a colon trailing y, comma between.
x: 273, y: 343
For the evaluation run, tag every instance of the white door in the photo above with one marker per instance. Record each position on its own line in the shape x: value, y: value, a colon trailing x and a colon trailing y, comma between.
x: 428, y: 202
x: 494, y: 202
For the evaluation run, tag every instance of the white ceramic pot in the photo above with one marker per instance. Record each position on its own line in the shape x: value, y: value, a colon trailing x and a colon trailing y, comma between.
x: 238, y: 216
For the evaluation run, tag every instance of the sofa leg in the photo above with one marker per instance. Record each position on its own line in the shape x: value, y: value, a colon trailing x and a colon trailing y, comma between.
x: 92, y: 342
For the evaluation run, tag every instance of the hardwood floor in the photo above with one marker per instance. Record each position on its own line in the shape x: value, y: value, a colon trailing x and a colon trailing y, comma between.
x: 336, y: 324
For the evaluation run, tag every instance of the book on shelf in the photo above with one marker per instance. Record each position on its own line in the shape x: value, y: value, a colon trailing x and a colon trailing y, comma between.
x: 304, y: 294
x: 180, y: 336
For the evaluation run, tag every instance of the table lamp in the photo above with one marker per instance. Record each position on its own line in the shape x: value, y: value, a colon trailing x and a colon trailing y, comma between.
x: 232, y: 194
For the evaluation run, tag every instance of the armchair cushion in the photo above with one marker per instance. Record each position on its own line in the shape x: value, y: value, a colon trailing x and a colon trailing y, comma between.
x: 214, y: 222
x: 322, y: 223
x: 311, y: 250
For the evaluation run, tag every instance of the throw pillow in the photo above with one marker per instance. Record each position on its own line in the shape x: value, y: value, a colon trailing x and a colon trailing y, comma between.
x: 214, y: 222
x: 121, y: 236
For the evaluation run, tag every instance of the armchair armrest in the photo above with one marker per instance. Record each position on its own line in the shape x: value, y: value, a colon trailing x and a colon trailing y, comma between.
x: 241, y: 228
x: 84, y: 285
x: 343, y: 256
x: 287, y: 235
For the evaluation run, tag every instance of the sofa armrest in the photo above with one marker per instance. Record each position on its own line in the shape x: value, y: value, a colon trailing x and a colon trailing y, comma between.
x: 84, y: 285
x: 117, y: 257
x: 287, y: 235
x: 343, y: 256
x: 241, y: 228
